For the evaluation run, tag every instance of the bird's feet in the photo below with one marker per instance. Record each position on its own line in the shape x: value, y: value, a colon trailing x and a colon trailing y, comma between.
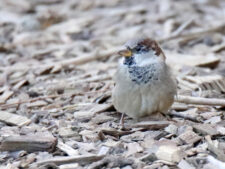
x: 122, y: 121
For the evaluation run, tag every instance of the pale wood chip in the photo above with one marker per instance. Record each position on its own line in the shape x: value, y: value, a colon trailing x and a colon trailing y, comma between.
x: 103, y: 150
x: 133, y: 148
x: 67, y: 132
x: 69, y: 166
x: 13, y: 119
x: 205, y: 129
x: 67, y: 149
x: 5, y: 96
x: 216, y: 163
x: 183, y: 164
x: 30, y: 143
x: 218, y: 48
x: 220, y: 130
x: 95, y: 109
x: 82, y: 159
x: 189, y: 137
x: 214, y: 120
x: 172, y: 129
x: 213, y: 146
x: 44, y: 70
x: 19, y: 84
x: 177, y: 60
x: 209, y: 82
x: 168, y: 151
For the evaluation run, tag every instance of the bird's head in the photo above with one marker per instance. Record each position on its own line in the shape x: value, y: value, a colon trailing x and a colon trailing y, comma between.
x: 142, y: 51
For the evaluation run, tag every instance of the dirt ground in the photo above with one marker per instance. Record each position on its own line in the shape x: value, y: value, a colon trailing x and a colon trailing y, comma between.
x: 57, y: 60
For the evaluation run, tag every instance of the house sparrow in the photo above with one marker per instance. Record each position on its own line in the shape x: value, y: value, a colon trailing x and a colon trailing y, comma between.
x: 144, y: 84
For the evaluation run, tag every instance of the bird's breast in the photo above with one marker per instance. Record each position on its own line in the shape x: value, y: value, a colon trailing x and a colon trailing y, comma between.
x: 143, y: 75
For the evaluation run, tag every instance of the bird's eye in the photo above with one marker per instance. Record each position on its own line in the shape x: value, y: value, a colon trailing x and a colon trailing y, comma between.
x: 138, y: 48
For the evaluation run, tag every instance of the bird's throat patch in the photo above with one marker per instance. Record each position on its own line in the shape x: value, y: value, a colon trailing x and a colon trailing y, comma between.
x: 143, y: 75
x: 129, y: 61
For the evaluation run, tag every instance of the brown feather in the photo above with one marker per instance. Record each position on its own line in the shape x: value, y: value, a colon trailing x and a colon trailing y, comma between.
x: 152, y: 44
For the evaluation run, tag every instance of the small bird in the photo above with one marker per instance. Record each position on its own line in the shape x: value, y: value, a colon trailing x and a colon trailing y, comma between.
x: 144, y: 84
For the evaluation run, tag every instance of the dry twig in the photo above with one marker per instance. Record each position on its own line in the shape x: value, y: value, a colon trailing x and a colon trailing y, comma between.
x: 74, y: 61
x: 200, y: 100
x: 194, y: 34
x: 82, y: 159
x: 186, y: 117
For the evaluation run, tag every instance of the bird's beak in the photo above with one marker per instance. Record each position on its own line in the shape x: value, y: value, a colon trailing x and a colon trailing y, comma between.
x: 125, y: 53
